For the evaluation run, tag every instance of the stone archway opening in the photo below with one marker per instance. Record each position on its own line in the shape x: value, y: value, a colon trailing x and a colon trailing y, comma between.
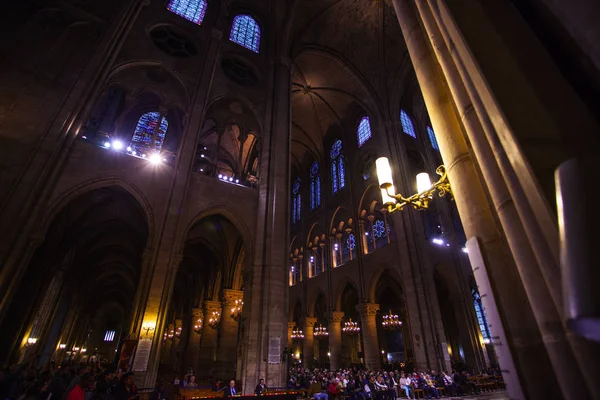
x: 76, y: 299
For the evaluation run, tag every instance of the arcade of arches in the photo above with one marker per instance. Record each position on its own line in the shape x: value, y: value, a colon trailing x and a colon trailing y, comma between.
x: 189, y: 186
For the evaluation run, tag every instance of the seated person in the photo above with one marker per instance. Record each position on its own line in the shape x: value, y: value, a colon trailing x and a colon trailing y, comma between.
x: 191, y: 384
x: 261, y: 388
x: 315, y: 391
x: 407, y: 386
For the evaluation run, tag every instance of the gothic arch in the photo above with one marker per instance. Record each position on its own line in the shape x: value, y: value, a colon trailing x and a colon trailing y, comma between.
x: 313, y: 300
x: 347, y: 281
x: 375, y: 278
x: 74, y: 192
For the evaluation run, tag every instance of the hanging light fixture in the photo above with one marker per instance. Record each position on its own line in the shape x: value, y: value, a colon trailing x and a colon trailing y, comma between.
x: 171, y: 334
x: 236, y: 310
x: 297, y: 334
x: 351, y: 327
x: 178, y: 331
x: 321, y: 332
x: 391, y: 322
x: 198, y: 325
x: 214, y: 319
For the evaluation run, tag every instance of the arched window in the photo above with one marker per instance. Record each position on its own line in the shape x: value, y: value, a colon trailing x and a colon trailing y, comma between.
x: 149, y: 134
x: 407, y: 124
x: 481, y: 318
x: 192, y: 10
x: 315, y: 186
x: 348, y: 247
x: 432, y: 139
x: 245, y: 32
x: 296, y: 201
x: 338, y: 170
x: 364, y: 131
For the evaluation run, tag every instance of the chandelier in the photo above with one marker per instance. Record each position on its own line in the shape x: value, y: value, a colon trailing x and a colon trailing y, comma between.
x: 297, y: 334
x: 170, y: 334
x: 351, y: 327
x: 236, y: 310
x: 178, y: 331
x: 391, y: 322
x: 198, y: 325
x: 321, y: 332
x: 214, y: 319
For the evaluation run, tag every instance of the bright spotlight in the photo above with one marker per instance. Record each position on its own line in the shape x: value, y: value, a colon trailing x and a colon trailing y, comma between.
x: 128, y: 148
x: 155, y: 158
x: 202, y: 155
x: 230, y: 179
x: 107, y: 145
x: 237, y: 181
x: 220, y: 176
x: 134, y: 152
x: 465, y: 250
x: 438, y: 241
x: 117, y: 144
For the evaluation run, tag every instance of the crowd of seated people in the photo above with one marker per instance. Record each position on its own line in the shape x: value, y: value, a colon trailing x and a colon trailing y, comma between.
x: 362, y: 384
x: 68, y: 382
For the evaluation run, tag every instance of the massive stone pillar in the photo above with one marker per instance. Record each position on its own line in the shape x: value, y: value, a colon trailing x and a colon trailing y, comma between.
x: 368, y: 313
x: 517, y: 339
x: 335, y: 339
x: 225, y: 364
x: 291, y: 326
x: 208, y: 343
x: 166, y: 355
x: 193, y: 344
x: 175, y: 350
x: 308, y: 344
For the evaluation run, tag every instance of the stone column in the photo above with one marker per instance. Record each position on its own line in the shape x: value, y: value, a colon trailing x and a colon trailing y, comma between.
x: 363, y: 237
x: 291, y: 326
x: 334, y: 254
x: 193, y: 347
x: 368, y: 312
x: 208, y: 342
x: 308, y: 345
x: 225, y: 364
x: 335, y: 339
x: 175, y: 351
x: 166, y: 356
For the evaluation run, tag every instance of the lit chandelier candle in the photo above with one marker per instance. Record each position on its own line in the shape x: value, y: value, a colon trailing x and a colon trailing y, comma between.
x: 214, y: 319
x: 321, y: 332
x: 297, y: 334
x: 425, y: 189
x: 391, y: 321
x: 351, y: 327
x: 198, y: 325
x: 236, y: 310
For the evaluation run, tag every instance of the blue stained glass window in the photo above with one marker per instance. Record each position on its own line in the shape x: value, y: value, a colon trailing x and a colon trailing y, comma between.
x: 407, y: 124
x: 481, y: 317
x: 350, y: 242
x: 315, y: 186
x: 245, y: 32
x: 296, y: 202
x: 378, y: 229
x: 192, y: 10
x: 364, y: 131
x: 432, y: 139
x: 338, y: 179
x: 149, y: 134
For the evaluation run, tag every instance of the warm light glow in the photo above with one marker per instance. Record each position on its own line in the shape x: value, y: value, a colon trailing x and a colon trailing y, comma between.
x: 438, y: 241
x: 155, y: 158
x: 117, y: 145
x: 328, y: 354
x: 62, y: 346
x: 31, y: 340
x: 384, y: 174
x: 382, y: 351
x: 486, y: 341
x: 83, y: 350
x: 423, y: 182
x: 107, y: 145
x: 75, y: 348
x: 465, y: 250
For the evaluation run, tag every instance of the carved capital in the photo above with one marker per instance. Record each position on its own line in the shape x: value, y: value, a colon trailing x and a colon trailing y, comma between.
x: 178, y: 323
x: 229, y: 296
x: 197, y: 313
x: 336, y: 317
x: 367, y: 309
x: 309, y: 322
x: 371, y: 218
x: 210, y: 306
x: 291, y: 325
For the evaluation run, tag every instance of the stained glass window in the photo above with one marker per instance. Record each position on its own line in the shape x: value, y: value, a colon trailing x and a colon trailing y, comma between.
x: 315, y: 186
x: 192, y: 10
x: 245, y: 32
x: 350, y: 242
x: 296, y: 201
x: 149, y: 134
x: 481, y: 318
x: 338, y: 179
x: 407, y: 124
x: 364, y: 131
x: 432, y: 139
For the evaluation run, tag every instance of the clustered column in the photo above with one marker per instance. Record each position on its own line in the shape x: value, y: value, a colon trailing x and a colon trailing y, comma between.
x: 193, y: 348
x: 368, y: 313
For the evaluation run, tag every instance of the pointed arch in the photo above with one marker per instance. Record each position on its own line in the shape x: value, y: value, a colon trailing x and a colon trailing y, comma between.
x: 246, y: 32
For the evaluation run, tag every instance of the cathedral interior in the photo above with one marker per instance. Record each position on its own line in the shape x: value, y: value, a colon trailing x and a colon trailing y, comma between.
x: 224, y: 188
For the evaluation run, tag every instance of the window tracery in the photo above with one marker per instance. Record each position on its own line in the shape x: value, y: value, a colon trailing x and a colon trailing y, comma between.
x: 364, y: 131
x: 149, y: 133
x: 481, y: 317
x: 338, y: 180
x: 192, y: 10
x: 432, y: 139
x: 245, y: 32
x: 296, y: 202
x: 407, y: 124
x: 315, y: 186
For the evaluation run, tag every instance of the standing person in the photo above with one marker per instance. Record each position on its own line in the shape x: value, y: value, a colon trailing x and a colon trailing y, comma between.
x: 78, y: 392
x: 126, y: 389
x: 230, y: 390
x: 260, y: 388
